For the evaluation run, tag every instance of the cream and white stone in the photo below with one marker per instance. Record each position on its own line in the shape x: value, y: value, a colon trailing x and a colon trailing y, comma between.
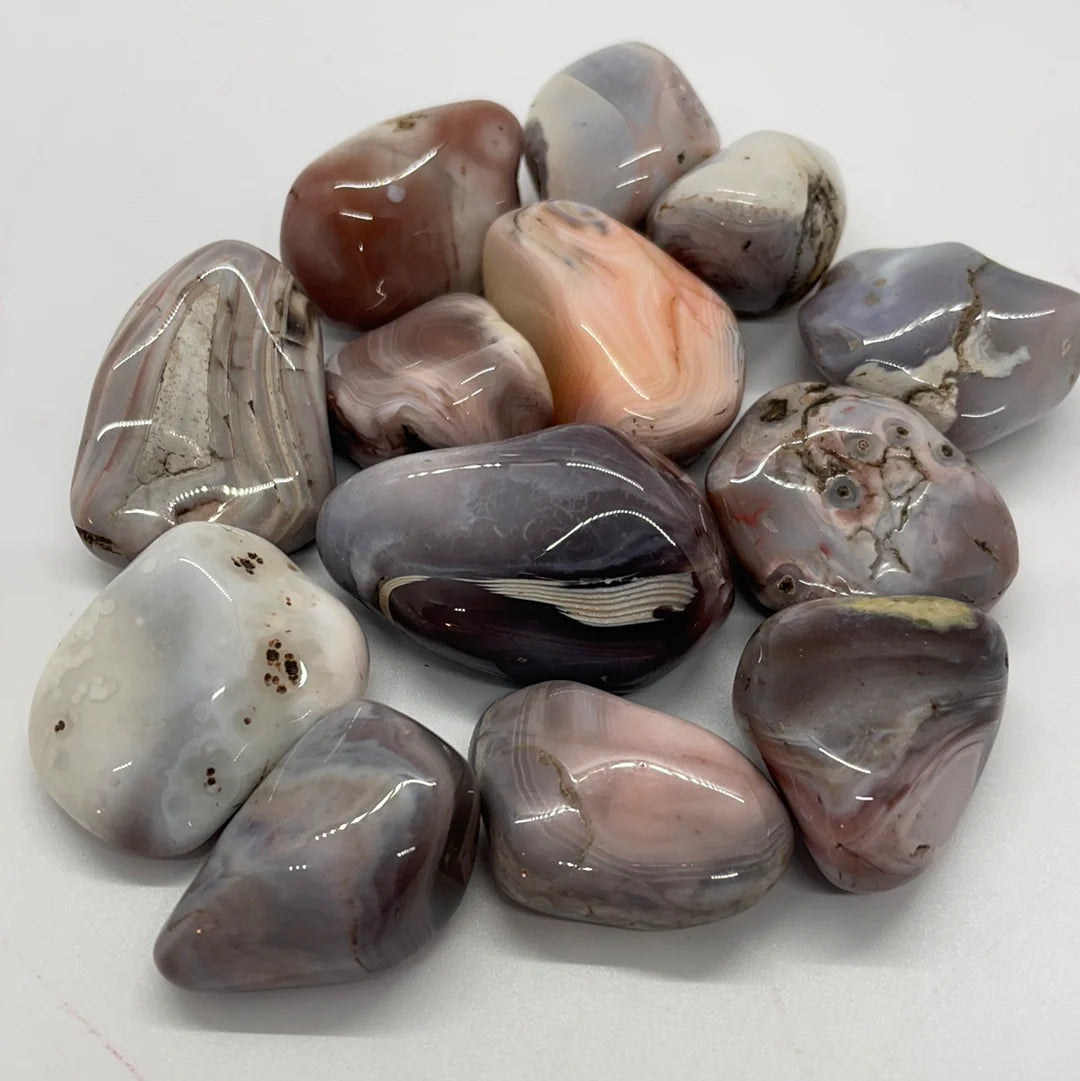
x: 760, y: 221
x: 184, y: 682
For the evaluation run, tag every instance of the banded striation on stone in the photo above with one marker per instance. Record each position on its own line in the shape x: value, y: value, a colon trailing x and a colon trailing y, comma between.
x: 875, y: 715
x: 628, y: 337
x: 569, y: 553
x: 209, y: 405
x: 449, y: 373
x: 601, y: 810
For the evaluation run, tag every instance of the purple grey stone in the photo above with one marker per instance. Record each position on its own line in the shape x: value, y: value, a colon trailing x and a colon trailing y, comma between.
x: 347, y: 859
x: 977, y: 348
x: 875, y: 715
x: 570, y: 553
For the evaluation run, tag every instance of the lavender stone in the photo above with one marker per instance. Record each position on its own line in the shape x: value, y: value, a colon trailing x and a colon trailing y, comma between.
x: 977, y: 348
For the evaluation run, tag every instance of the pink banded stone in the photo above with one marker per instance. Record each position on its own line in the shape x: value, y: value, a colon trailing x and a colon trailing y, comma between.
x: 875, y: 715
x: 449, y: 373
x: 601, y: 810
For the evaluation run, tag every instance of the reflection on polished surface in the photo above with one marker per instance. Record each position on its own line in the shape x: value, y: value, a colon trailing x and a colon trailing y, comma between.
x: 760, y: 222
x: 614, y: 129
x: 449, y: 373
x: 824, y: 491
x: 347, y: 859
x: 397, y: 214
x: 875, y: 715
x: 628, y: 337
x: 184, y: 682
x: 601, y: 810
x: 568, y: 553
x: 979, y: 349
x: 209, y: 405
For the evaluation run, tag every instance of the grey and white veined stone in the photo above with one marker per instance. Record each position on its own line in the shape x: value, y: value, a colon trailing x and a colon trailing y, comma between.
x: 979, y: 349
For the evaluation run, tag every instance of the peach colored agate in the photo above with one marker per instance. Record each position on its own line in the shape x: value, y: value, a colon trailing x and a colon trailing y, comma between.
x: 628, y: 337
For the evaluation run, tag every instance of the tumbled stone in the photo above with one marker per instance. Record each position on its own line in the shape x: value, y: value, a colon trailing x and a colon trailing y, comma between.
x: 570, y: 553
x: 830, y: 490
x: 760, y: 221
x: 349, y: 858
x: 979, y: 349
x: 209, y: 405
x: 183, y: 683
x: 875, y: 715
x: 627, y: 336
x: 446, y: 374
x: 397, y: 214
x: 601, y: 810
x: 614, y: 129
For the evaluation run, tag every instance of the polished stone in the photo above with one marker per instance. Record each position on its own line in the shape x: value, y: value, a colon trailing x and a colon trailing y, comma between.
x: 759, y: 222
x: 184, y: 682
x: 875, y: 715
x: 614, y: 129
x: 397, y: 214
x: 627, y: 336
x: 347, y: 859
x: 570, y: 553
x: 209, y: 405
x: 601, y: 810
x: 829, y: 490
x: 977, y: 348
x: 446, y: 374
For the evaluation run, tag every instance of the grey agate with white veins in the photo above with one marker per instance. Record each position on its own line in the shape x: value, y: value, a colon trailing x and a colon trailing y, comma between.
x: 614, y: 129
x: 347, y: 859
x: 602, y: 810
x: 823, y: 491
x: 759, y: 222
x: 977, y: 348
x: 569, y: 553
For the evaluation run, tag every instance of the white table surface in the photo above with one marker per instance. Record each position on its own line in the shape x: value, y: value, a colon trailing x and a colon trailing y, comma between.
x: 135, y: 132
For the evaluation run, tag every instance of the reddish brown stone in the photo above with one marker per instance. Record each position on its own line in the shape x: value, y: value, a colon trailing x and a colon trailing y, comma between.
x: 397, y: 215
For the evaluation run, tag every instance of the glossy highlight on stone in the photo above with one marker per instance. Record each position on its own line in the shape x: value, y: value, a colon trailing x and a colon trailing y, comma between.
x: 571, y: 553
x: 209, y: 405
x: 348, y: 858
x: 759, y: 222
x: 875, y: 715
x: 628, y: 337
x: 397, y: 214
x: 979, y: 349
x: 601, y: 810
x: 823, y: 491
x: 181, y: 685
x: 449, y: 373
x: 614, y: 129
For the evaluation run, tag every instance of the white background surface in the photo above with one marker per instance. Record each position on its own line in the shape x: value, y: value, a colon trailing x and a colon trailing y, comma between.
x: 136, y: 132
